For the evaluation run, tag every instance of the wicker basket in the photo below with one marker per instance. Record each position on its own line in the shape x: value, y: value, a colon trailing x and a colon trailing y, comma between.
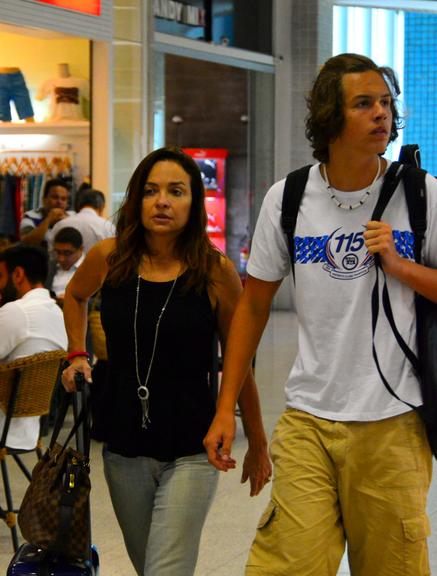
x: 38, y: 376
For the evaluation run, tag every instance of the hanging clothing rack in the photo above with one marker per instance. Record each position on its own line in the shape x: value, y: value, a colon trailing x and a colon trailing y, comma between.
x: 23, y: 174
x: 35, y: 151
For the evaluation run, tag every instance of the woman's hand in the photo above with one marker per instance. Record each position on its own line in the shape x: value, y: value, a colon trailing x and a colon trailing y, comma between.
x: 258, y: 468
x: 78, y: 364
x: 218, y: 442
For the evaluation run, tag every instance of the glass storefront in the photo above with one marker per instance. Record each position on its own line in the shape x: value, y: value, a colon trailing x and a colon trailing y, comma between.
x: 212, y: 99
x: 128, y: 96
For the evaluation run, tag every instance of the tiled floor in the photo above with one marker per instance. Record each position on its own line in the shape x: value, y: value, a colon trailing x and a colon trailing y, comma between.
x: 231, y: 523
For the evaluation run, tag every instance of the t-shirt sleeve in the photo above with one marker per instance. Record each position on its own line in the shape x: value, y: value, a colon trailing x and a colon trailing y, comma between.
x: 26, y: 225
x: 13, y: 328
x: 269, y: 258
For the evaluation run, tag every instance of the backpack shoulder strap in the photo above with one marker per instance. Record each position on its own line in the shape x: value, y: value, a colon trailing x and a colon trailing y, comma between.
x: 293, y: 191
x: 410, y: 154
x: 415, y: 195
x: 391, y: 181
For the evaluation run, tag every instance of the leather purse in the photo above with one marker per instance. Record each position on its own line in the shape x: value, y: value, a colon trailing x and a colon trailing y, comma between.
x: 54, y: 514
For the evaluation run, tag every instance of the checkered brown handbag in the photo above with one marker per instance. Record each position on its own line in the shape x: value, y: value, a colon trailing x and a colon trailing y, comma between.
x: 54, y: 514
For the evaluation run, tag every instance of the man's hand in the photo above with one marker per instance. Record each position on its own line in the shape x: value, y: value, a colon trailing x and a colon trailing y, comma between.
x: 258, y: 468
x: 55, y: 215
x: 378, y: 239
x: 218, y: 442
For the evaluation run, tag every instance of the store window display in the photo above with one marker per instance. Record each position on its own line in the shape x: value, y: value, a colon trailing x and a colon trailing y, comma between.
x: 67, y: 95
x: 13, y: 89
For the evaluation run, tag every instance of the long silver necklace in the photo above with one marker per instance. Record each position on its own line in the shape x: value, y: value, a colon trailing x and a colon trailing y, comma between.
x: 142, y: 390
x: 363, y: 198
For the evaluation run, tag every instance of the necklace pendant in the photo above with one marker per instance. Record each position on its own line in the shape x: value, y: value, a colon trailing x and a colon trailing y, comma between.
x: 143, y: 393
x: 145, y: 420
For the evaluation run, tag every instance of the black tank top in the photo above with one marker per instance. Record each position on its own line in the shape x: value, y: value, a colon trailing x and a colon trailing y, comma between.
x: 181, y: 400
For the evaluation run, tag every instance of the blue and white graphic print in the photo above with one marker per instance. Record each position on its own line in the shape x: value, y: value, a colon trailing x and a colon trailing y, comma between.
x: 343, y: 253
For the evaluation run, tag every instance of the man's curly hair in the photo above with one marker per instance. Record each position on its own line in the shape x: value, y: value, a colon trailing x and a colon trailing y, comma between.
x: 325, y: 120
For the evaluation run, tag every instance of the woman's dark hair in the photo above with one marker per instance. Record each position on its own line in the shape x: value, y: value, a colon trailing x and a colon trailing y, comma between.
x: 325, y: 102
x: 193, y: 246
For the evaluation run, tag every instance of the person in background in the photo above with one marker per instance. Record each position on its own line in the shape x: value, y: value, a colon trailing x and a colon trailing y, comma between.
x: 89, y: 219
x: 30, y: 322
x: 165, y: 293
x: 68, y: 255
x: 36, y: 225
x: 351, y: 462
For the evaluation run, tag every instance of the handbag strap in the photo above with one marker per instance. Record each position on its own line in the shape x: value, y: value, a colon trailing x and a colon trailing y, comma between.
x: 84, y: 417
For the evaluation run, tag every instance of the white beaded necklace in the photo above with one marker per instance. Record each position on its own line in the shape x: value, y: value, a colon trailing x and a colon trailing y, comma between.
x: 363, y: 198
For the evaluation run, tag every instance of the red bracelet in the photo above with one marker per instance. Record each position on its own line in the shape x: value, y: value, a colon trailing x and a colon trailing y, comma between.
x: 72, y: 355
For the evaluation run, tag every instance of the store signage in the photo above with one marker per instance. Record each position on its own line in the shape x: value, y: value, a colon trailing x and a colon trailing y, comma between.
x: 179, y: 12
x: 85, y: 6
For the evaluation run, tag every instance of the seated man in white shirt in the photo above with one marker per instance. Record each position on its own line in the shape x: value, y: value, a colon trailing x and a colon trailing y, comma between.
x: 90, y: 205
x: 67, y: 257
x: 30, y: 322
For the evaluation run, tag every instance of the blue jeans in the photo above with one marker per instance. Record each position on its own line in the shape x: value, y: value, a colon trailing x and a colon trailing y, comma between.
x: 13, y: 89
x: 161, y: 508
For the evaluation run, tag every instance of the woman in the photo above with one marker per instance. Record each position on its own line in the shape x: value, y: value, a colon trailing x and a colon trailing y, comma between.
x: 165, y: 292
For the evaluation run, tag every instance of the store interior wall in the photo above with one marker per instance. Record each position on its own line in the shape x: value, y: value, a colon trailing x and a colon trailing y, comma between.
x: 37, y: 54
x: 212, y: 101
x: 38, y: 59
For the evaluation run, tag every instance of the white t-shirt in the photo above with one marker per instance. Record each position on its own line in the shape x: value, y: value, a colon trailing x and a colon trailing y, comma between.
x: 66, y: 97
x: 334, y: 375
x: 92, y: 227
x: 32, y: 324
x: 63, y: 277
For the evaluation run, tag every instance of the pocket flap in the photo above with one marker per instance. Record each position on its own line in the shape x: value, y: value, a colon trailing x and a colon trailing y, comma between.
x: 416, y: 528
x: 267, y: 515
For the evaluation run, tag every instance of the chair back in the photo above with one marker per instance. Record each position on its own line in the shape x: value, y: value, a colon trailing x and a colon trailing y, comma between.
x: 37, y: 375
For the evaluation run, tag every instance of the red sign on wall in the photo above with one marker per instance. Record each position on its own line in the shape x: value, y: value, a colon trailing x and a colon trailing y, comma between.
x: 85, y: 6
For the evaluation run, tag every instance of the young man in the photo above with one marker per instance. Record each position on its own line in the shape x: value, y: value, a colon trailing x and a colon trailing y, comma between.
x: 68, y: 256
x: 351, y: 463
x: 30, y: 322
x: 89, y: 219
x: 36, y: 225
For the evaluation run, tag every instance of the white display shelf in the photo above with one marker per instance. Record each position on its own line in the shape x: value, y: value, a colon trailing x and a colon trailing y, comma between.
x: 77, y: 128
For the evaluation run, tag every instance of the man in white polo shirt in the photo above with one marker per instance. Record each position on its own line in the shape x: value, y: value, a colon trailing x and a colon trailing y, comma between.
x: 89, y: 219
x: 30, y: 322
x: 68, y: 256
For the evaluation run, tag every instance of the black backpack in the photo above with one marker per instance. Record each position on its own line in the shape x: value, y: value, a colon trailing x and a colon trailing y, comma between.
x: 408, y: 169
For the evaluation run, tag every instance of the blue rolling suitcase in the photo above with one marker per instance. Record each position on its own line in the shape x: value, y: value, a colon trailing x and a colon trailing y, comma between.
x: 29, y: 560
x: 32, y: 561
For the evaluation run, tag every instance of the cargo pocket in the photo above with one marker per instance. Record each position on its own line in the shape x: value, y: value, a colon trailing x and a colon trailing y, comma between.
x: 268, y: 515
x: 416, y: 561
x: 416, y: 528
x: 265, y: 557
